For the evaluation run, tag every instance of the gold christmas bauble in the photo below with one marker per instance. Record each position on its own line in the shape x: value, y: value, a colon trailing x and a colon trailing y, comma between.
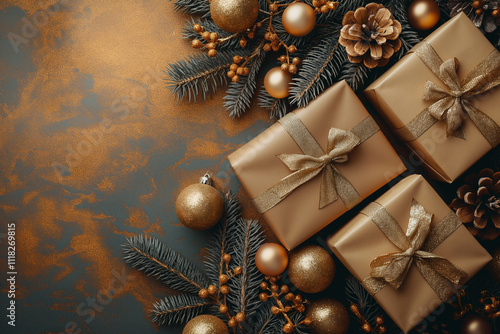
x: 299, y: 19
x: 423, y: 14
x: 311, y: 269
x: 205, y: 324
x: 328, y: 316
x: 271, y: 259
x: 277, y: 83
x: 494, y: 265
x: 234, y: 16
x: 199, y: 206
x: 475, y: 324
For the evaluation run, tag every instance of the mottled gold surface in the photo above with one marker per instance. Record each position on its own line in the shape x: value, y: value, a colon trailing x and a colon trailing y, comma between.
x: 199, y: 206
x: 271, y: 259
x: 277, y: 83
x: 311, y: 268
x: 328, y: 316
x: 299, y: 19
x: 205, y: 324
x: 234, y: 15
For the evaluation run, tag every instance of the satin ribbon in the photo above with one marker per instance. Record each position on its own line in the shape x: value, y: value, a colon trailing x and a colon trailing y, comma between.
x: 315, y: 161
x: 416, y: 247
x: 454, y: 104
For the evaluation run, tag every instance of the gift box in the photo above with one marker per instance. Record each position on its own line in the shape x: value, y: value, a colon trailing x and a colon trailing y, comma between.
x: 314, y: 164
x: 441, y: 99
x: 409, y: 251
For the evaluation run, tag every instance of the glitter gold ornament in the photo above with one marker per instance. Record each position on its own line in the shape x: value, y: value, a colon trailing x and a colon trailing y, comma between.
x: 328, y: 316
x: 205, y: 324
x: 277, y: 83
x: 271, y: 259
x: 311, y: 269
x: 299, y: 19
x: 423, y: 14
x: 199, y: 206
x: 234, y: 16
x: 475, y: 324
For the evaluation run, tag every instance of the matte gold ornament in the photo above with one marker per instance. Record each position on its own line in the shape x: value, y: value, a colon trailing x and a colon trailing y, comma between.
x: 205, y: 324
x: 311, y: 269
x: 199, y: 206
x: 271, y: 259
x: 423, y: 14
x: 277, y: 83
x: 299, y: 19
x: 475, y: 324
x: 234, y: 16
x: 328, y: 316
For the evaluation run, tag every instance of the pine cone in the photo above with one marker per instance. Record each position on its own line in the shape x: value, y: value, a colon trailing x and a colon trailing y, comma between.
x: 478, y: 204
x: 371, y: 28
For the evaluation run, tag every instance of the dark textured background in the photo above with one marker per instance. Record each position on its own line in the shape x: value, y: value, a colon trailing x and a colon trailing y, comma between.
x: 86, y: 93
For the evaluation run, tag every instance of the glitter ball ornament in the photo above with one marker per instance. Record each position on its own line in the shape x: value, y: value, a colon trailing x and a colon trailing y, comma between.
x: 475, y: 324
x: 299, y: 19
x: 277, y: 83
x: 271, y: 259
x: 423, y: 14
x: 311, y: 269
x: 328, y: 316
x: 199, y: 206
x: 234, y: 16
x: 205, y: 324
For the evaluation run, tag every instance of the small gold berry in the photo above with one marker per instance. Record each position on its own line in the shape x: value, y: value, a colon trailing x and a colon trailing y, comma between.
x: 203, y: 293
x: 264, y: 285
x: 239, y: 71
x: 275, y: 46
x: 289, y: 296
x: 238, y: 270
x: 197, y: 28
x: 267, y: 36
x: 246, y: 71
x: 275, y: 288
x: 284, y: 67
x: 296, y: 61
x: 223, y: 309
x: 205, y: 35
x: 212, y: 53
x: 232, y: 322
x: 307, y: 321
x: 284, y: 289
x: 251, y: 35
x: 223, y: 279
x: 267, y: 47
x: 273, y: 7
x: 240, y: 317
x: 288, y: 328
x: 300, y: 307
x: 275, y: 310
x: 292, y: 69
x: 243, y: 42
x: 382, y: 329
x: 379, y: 320
x: 298, y: 298
x: 325, y: 9
x: 263, y: 297
x: 196, y: 43
x: 231, y: 74
x: 211, y: 45
x: 282, y: 58
x: 366, y: 327
x: 292, y: 49
x: 214, y: 36
x: 224, y: 289
x: 237, y: 60
x: 212, y: 289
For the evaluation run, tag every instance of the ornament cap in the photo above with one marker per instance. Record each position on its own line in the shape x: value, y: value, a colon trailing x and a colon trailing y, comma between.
x: 206, y: 179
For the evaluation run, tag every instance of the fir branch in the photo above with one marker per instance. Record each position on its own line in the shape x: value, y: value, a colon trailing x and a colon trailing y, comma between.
x: 355, y: 75
x: 264, y: 322
x: 319, y: 70
x: 277, y: 107
x: 198, y: 7
x: 246, y: 286
x: 156, y: 259
x: 199, y: 75
x: 178, y: 309
x: 356, y: 294
x: 239, y: 95
x: 209, y: 25
x: 220, y: 243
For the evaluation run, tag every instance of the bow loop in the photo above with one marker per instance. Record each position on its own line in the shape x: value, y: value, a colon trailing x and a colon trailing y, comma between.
x: 394, y: 267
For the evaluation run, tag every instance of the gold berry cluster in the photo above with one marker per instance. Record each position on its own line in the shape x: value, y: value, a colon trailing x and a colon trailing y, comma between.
x: 491, y: 305
x: 478, y: 5
x: 238, y: 69
x: 379, y: 327
x: 296, y: 303
x: 214, y: 293
x: 324, y: 6
x: 286, y: 66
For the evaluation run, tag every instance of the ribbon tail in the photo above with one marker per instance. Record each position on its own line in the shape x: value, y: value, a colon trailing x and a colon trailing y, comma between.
x: 443, y: 288
x: 328, y: 193
x: 345, y: 190
x: 489, y: 129
x: 444, y: 267
x: 458, y: 133
x: 288, y: 184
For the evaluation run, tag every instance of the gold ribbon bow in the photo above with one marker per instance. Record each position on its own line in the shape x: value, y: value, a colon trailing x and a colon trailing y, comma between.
x: 454, y: 104
x: 416, y: 248
x: 305, y: 167
x: 315, y: 161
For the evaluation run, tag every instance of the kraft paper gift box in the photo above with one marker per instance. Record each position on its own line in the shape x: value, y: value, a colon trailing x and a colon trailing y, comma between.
x: 457, y: 69
x: 408, y: 207
x: 324, y: 185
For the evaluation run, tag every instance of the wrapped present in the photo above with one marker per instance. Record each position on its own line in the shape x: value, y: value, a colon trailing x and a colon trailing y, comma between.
x: 441, y: 98
x: 314, y: 164
x: 409, y: 251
